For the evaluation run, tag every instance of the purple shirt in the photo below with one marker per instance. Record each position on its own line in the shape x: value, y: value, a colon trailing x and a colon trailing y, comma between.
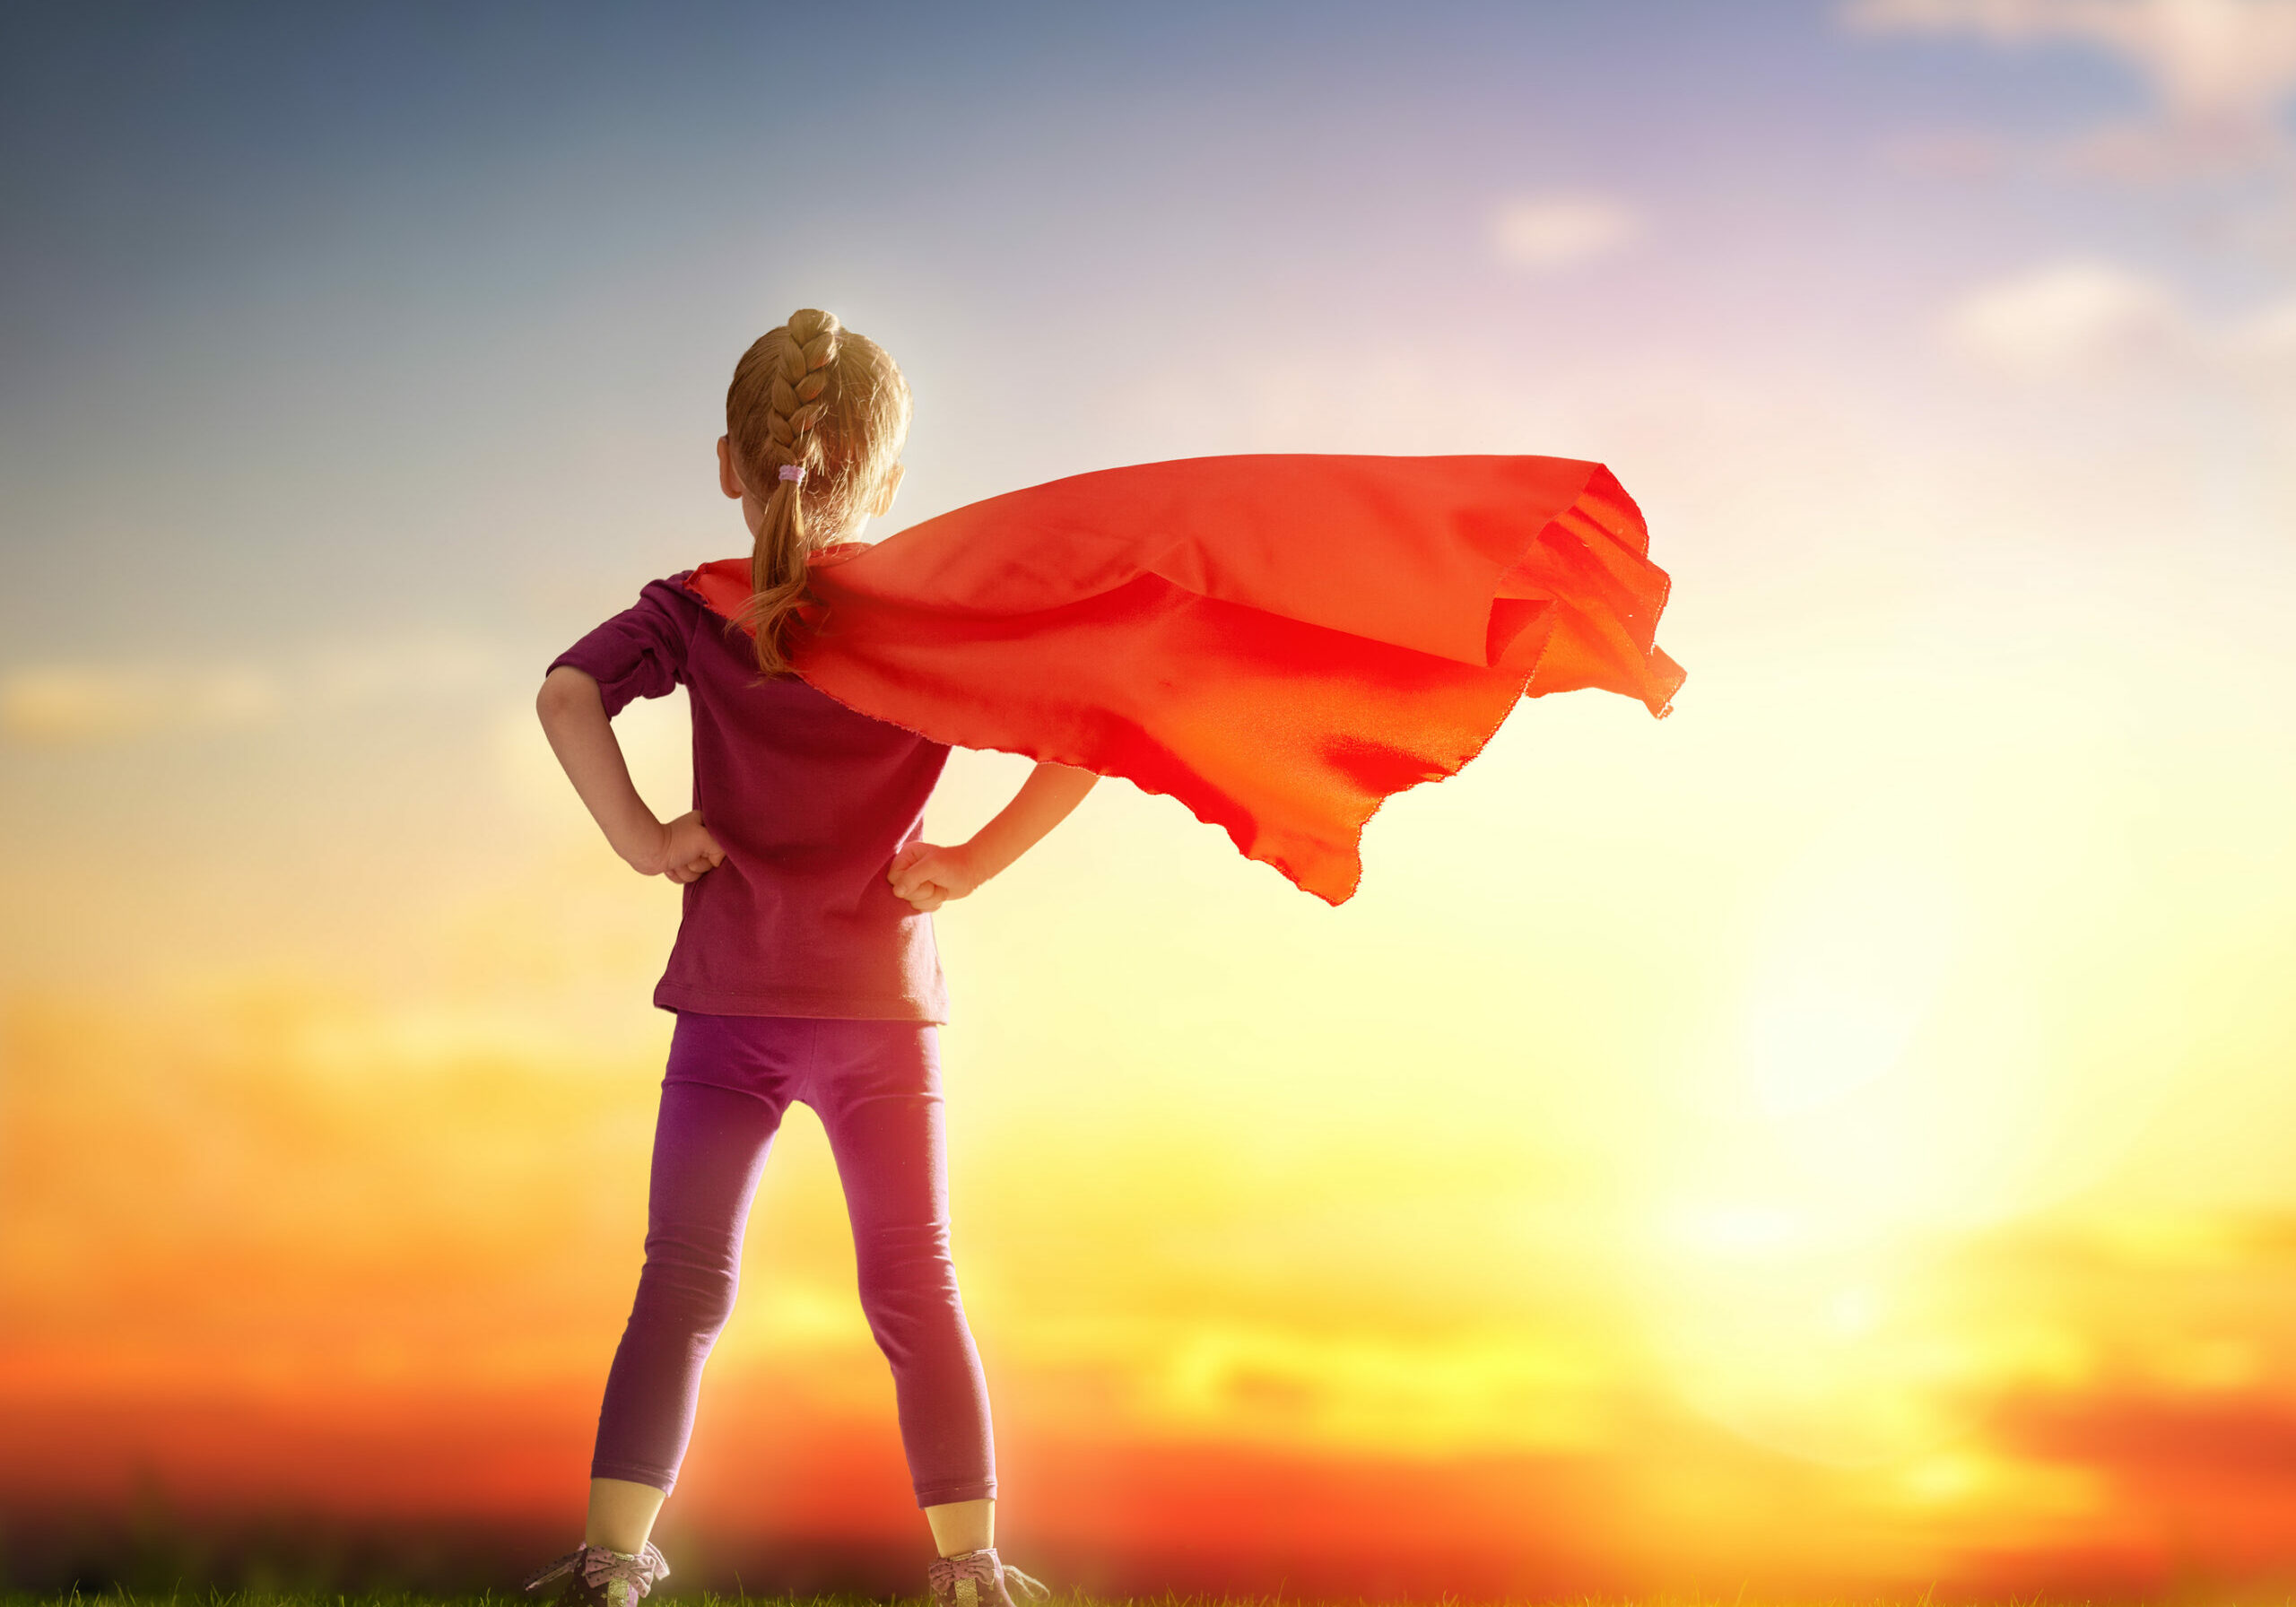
x: 809, y: 801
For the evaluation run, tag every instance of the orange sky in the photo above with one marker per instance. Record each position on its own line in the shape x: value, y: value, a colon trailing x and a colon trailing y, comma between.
x: 1324, y: 1241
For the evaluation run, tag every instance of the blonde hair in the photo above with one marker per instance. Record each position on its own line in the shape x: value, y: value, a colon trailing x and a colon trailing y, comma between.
x: 818, y: 397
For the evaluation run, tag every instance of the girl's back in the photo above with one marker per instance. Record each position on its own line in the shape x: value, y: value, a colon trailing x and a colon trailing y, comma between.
x: 811, y: 802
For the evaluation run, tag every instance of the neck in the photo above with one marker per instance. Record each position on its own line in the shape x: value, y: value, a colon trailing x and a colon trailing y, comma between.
x: 754, y: 515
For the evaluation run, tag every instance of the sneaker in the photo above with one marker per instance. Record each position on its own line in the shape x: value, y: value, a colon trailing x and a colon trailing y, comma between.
x: 597, y: 1577
x: 978, y: 1579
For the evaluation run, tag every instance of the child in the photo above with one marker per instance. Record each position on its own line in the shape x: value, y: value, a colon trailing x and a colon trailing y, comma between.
x: 1278, y: 642
x: 804, y: 967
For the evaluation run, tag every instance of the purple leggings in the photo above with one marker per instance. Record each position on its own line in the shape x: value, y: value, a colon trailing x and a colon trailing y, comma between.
x: 876, y: 1087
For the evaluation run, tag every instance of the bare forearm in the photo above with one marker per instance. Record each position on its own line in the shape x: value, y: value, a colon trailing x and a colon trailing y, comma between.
x: 574, y: 717
x: 927, y: 875
x: 1048, y: 797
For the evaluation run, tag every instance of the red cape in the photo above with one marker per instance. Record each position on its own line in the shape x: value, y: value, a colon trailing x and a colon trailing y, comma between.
x: 1278, y: 642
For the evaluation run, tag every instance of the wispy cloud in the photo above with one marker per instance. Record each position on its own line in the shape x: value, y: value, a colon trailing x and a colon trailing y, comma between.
x: 1562, y: 229
x: 2083, y: 319
x: 77, y: 704
x: 2221, y: 71
x: 2066, y: 320
x: 65, y: 703
x: 2265, y: 339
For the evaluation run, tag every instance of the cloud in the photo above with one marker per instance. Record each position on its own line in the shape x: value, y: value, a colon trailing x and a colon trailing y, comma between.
x: 2266, y: 339
x: 1559, y: 230
x: 372, y: 672
x: 60, y: 705
x: 2221, y: 71
x: 71, y: 705
x: 2083, y: 318
x: 2066, y: 320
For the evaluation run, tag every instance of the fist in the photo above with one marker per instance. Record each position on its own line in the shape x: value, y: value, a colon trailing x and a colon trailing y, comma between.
x: 688, y: 850
x: 928, y: 875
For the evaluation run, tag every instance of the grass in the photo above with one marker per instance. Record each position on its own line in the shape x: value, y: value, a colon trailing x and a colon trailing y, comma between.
x: 393, y: 1598
x: 398, y: 1598
x: 401, y: 1598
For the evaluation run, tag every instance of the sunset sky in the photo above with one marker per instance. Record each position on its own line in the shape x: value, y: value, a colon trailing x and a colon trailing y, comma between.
x: 1837, y: 1140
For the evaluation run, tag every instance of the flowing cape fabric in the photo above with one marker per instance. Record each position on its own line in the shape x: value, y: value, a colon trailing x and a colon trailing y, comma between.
x: 1278, y: 642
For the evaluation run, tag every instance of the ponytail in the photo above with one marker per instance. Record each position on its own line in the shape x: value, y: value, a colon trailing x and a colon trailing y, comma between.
x: 776, y: 575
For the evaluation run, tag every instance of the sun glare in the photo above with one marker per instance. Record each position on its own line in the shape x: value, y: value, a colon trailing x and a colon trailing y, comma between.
x: 1853, y: 975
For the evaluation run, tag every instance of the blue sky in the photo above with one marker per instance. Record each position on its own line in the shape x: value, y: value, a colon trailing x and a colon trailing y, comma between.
x: 301, y: 294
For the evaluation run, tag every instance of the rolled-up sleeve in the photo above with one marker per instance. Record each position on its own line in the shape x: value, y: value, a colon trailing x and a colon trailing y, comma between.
x: 641, y: 651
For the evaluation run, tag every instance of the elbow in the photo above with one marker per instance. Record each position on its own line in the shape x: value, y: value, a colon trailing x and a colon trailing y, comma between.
x: 564, y: 690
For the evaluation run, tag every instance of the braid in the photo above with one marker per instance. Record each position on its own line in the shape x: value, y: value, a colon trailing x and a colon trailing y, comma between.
x: 794, y: 404
x: 803, y: 349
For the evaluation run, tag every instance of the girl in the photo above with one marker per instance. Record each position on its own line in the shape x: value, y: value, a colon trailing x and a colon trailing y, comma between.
x: 803, y: 967
x: 1278, y: 642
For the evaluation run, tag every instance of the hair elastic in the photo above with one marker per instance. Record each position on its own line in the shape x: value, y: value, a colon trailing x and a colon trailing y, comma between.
x: 794, y: 471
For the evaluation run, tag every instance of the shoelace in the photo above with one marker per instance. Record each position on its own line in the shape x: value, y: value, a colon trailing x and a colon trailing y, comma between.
x: 598, y: 1565
x: 968, y: 1580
